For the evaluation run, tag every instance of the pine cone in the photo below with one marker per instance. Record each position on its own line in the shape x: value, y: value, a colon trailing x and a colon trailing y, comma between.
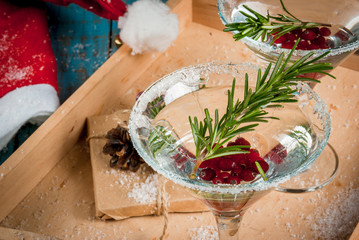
x: 119, y: 146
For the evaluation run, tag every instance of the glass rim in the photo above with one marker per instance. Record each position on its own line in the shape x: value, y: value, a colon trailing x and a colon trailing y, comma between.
x: 258, y: 185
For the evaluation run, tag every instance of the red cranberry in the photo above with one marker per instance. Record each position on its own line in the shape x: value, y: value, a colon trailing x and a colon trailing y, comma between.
x: 290, y: 37
x: 180, y: 161
x: 242, y: 142
x: 139, y: 94
x: 313, y: 46
x: 207, y: 174
x: 297, y: 32
x: 324, y: 31
x: 264, y: 165
x: 342, y: 35
x: 288, y: 45
x: 280, y: 150
x: 218, y: 180
x: 224, y: 175
x: 308, y: 35
x: 234, y: 180
x: 247, y: 175
x: 281, y: 39
x: 236, y: 172
x: 226, y: 164
x: 273, y: 157
x: 324, y: 45
x: 240, y: 161
x: 210, y: 163
x: 303, y: 44
x: 318, y: 40
x: 187, y: 153
x: 315, y: 30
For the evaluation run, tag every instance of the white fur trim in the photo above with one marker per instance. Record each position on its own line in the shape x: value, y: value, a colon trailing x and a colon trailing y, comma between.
x: 30, y: 103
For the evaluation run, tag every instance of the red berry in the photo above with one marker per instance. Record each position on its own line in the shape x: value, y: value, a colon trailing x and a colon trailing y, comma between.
x: 247, y: 175
x: 139, y: 94
x: 226, y: 164
x: 318, y: 40
x: 280, y: 150
x: 207, y: 174
x: 224, y: 175
x: 288, y: 45
x: 281, y: 39
x: 324, y: 31
x: 187, y: 153
x: 240, y: 161
x: 324, y: 45
x: 234, y: 180
x: 303, y: 44
x: 264, y: 165
x: 273, y: 157
x: 313, y: 46
x: 180, y: 162
x: 315, y: 30
x: 297, y: 32
x: 342, y: 35
x: 218, y: 180
x: 242, y: 142
x: 290, y: 37
x: 308, y: 35
x: 236, y: 172
x: 210, y: 163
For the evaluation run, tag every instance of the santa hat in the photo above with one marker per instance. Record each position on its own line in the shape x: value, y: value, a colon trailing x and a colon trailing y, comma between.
x: 28, y: 77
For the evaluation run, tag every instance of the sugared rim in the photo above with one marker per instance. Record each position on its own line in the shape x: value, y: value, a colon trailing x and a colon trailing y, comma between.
x: 258, y: 185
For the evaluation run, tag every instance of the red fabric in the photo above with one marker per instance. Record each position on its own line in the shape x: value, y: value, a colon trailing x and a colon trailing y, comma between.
x: 110, y: 9
x: 26, y: 56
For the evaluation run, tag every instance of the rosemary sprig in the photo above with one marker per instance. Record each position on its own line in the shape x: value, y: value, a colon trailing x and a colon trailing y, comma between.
x: 154, y: 107
x: 271, y: 90
x: 258, y: 26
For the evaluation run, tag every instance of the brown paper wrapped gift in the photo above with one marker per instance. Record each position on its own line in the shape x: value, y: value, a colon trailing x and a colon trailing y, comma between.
x: 121, y: 194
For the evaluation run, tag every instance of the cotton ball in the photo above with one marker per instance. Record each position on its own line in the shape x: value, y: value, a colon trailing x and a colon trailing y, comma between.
x: 148, y: 26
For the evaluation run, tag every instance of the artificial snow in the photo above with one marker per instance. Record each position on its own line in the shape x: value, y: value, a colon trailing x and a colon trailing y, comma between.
x: 203, y: 233
x: 146, y: 192
x: 148, y: 25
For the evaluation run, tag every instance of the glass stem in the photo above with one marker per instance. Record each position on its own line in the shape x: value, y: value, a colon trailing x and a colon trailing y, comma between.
x: 228, y: 225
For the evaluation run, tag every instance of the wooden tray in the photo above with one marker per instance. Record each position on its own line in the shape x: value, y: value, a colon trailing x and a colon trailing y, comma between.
x: 46, y: 185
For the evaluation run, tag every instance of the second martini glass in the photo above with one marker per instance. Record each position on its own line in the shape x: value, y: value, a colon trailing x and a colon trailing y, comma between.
x: 341, y: 37
x: 160, y: 116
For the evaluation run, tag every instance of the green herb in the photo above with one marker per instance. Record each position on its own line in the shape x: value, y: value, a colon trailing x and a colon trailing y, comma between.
x: 258, y: 26
x: 154, y: 107
x: 160, y: 139
x: 272, y: 89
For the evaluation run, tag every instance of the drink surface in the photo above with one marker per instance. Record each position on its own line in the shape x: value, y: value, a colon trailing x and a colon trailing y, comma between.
x: 293, y: 130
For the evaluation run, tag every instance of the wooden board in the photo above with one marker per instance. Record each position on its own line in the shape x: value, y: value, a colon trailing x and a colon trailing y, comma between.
x: 46, y: 186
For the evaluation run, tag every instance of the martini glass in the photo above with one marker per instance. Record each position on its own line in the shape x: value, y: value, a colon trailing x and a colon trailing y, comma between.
x: 303, y: 131
x: 343, y: 15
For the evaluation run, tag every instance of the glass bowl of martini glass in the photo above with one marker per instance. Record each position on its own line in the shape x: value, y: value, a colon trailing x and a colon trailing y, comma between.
x: 328, y: 27
x: 269, y: 154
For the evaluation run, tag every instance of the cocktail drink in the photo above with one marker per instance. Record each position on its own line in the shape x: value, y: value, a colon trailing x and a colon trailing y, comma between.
x: 271, y: 153
x: 329, y: 27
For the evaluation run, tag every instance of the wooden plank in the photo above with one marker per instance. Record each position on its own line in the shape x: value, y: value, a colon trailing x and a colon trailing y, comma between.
x: 8, y: 233
x: 206, y: 13
x: 50, y: 143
